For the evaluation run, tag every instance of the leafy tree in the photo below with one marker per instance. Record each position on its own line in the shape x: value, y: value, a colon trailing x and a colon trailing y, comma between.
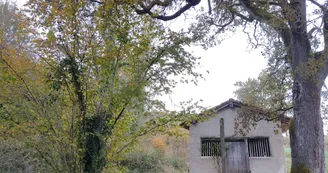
x: 96, y: 69
x: 295, y: 43
x: 268, y: 97
x: 18, y: 74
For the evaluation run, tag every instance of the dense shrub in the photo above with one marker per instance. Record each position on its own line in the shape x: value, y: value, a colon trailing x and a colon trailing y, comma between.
x: 138, y: 162
x: 159, y: 154
x: 154, y: 162
x: 16, y: 157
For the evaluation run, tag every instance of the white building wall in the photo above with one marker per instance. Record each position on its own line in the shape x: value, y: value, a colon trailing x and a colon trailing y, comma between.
x: 211, y: 128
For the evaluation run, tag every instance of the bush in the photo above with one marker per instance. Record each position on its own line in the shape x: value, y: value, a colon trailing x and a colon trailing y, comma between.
x: 15, y: 157
x: 178, y: 163
x: 159, y: 144
x: 141, y: 162
x: 154, y: 162
x: 159, y: 154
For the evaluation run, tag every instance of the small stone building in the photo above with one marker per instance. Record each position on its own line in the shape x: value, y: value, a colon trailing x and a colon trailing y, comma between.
x: 260, y: 151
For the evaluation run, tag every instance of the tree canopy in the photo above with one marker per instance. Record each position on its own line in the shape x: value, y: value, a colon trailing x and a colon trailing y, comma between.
x: 81, y: 88
x: 83, y: 72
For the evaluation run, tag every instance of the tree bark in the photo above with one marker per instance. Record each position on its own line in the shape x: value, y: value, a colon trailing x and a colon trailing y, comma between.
x: 306, y: 130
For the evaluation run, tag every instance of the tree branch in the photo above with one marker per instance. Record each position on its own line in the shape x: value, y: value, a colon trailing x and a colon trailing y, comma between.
x: 147, y: 9
x: 325, y: 23
x: 98, y: 2
x: 324, y: 53
x: 266, y: 17
x: 318, y: 5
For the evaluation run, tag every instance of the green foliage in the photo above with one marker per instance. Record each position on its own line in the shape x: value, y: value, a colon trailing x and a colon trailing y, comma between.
x: 143, y: 162
x: 95, y: 145
x: 268, y: 91
x: 159, y: 153
x: 92, y: 71
x: 266, y: 98
x: 178, y: 163
x: 16, y: 157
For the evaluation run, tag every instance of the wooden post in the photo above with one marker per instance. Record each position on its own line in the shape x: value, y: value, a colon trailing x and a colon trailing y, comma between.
x: 222, y: 145
x: 247, y: 156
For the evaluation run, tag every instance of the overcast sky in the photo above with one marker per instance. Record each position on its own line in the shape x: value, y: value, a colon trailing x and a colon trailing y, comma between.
x: 227, y: 63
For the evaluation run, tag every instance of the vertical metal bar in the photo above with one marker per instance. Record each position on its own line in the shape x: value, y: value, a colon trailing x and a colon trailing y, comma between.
x: 211, y: 148
x: 267, y: 151
x: 268, y: 141
x: 261, y: 148
x: 253, y: 148
x: 264, y: 148
x: 207, y: 149
x: 249, y: 147
x: 256, y: 148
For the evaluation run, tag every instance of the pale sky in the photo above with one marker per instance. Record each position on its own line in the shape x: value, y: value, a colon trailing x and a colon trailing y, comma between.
x: 227, y: 63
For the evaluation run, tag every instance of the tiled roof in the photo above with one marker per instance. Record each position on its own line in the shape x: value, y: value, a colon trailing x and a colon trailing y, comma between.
x: 230, y: 104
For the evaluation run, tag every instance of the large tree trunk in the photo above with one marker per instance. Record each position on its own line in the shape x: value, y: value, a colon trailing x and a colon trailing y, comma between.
x: 306, y: 130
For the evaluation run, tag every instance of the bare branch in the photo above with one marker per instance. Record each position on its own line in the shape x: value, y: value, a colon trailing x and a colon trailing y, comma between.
x: 147, y: 9
x: 311, y: 32
x: 325, y: 24
x: 222, y: 26
x: 248, y: 19
x: 166, y: 18
x: 266, y: 17
x: 98, y: 2
x: 318, y: 5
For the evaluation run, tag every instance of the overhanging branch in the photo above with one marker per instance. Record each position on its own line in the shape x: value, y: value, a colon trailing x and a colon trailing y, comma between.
x: 147, y: 9
x: 318, y: 5
x: 324, y: 53
x: 260, y: 15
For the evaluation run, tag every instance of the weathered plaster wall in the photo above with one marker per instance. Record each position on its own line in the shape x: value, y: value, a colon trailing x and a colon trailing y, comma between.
x: 211, y: 128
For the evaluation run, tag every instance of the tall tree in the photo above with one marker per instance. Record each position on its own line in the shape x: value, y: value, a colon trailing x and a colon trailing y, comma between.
x: 293, y: 40
x: 102, y: 67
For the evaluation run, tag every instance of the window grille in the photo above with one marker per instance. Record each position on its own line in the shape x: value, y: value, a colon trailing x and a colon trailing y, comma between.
x: 259, y: 147
x: 210, y: 147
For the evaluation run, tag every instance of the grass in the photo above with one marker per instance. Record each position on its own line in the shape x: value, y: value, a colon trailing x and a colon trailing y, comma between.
x: 288, y: 159
x: 289, y: 162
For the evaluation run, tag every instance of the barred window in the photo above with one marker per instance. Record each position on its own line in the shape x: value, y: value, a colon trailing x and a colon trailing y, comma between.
x: 259, y: 147
x: 210, y: 147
